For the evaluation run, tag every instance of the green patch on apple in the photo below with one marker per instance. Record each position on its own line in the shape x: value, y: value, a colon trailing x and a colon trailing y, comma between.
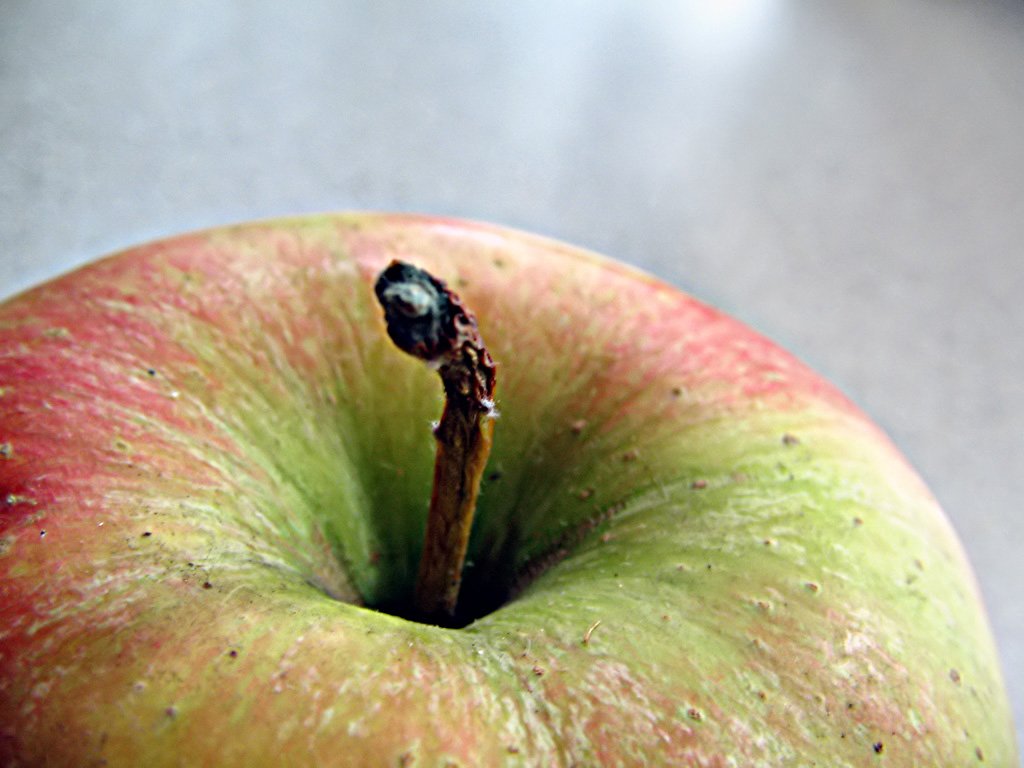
x: 688, y: 549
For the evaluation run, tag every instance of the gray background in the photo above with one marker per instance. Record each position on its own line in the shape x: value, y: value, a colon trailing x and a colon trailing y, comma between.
x: 847, y: 177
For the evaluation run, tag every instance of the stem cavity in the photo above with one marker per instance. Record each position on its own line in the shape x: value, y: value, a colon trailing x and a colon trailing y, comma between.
x: 427, y: 320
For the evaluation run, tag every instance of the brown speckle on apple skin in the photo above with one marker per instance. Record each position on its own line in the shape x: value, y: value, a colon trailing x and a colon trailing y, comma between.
x: 879, y: 747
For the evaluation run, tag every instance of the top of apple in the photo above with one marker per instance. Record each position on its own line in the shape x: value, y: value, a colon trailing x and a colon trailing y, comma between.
x: 689, y: 549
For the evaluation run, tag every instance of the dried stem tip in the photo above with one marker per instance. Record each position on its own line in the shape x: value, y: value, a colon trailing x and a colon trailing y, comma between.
x: 427, y: 320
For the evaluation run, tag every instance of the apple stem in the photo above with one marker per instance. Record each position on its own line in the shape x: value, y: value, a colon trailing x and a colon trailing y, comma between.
x: 428, y: 320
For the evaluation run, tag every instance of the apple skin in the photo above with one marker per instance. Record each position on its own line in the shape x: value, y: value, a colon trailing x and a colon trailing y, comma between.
x: 211, y: 453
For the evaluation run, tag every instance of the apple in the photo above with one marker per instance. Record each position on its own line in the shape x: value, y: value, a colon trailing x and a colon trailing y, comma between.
x: 688, y: 549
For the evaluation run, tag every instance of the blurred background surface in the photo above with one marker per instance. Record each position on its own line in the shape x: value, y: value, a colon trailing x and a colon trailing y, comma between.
x: 847, y: 177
